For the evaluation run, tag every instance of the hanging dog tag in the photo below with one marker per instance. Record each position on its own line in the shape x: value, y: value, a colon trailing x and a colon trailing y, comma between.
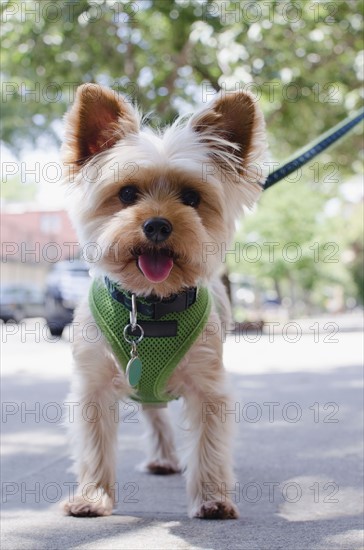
x: 134, y: 371
x: 134, y: 367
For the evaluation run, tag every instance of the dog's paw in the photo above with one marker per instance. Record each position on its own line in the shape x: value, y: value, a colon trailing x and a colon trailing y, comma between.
x: 215, y: 509
x: 81, y: 507
x: 162, y: 467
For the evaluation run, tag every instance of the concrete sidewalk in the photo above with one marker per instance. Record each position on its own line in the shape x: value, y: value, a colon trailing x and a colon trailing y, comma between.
x: 298, y: 454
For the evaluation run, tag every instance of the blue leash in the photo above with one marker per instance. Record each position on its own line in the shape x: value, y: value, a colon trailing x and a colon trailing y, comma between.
x: 319, y: 145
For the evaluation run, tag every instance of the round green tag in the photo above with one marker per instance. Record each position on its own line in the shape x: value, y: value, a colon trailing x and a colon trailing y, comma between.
x: 134, y: 371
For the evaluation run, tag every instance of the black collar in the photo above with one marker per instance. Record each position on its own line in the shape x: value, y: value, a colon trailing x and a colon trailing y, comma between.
x: 153, y: 307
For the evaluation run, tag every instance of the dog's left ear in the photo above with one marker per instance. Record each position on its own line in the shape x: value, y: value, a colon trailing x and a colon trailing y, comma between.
x: 98, y: 119
x: 236, y: 118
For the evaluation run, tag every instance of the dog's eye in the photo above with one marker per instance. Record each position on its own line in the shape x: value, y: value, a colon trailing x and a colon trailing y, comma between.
x: 190, y: 197
x: 128, y: 194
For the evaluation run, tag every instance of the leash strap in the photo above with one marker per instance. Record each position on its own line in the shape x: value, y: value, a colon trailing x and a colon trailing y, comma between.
x: 314, y: 148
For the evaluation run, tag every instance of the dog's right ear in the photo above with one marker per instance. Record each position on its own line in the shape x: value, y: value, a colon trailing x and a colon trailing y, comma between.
x: 98, y: 119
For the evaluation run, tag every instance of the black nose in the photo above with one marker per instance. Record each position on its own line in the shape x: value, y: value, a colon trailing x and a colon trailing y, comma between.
x: 157, y: 229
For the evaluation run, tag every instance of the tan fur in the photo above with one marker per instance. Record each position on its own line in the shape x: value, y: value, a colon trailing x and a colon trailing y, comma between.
x: 229, y: 136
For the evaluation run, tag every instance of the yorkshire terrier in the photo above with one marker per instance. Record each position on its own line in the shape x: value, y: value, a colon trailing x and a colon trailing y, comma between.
x: 159, y: 208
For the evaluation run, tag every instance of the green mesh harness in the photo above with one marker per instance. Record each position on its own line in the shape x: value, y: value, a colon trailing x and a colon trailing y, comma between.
x: 159, y: 355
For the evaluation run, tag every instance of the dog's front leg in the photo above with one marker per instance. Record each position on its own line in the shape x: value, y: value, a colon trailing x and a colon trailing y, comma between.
x: 94, y: 440
x: 96, y: 387
x: 209, y: 470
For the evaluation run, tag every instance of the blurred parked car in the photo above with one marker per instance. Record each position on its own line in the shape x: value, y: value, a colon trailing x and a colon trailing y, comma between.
x: 66, y: 284
x: 20, y: 301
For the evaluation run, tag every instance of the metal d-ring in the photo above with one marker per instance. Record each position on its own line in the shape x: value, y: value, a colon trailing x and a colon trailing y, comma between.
x: 127, y: 337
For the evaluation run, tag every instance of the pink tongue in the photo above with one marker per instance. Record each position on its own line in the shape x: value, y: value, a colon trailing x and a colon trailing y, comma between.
x: 155, y: 267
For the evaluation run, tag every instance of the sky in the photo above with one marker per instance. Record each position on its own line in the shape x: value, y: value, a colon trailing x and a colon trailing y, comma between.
x: 41, y: 165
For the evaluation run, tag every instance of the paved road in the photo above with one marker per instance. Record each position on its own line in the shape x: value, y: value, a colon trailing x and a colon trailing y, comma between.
x: 298, y: 451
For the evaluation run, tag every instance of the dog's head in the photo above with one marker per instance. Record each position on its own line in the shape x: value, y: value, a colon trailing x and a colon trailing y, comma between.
x: 159, y: 208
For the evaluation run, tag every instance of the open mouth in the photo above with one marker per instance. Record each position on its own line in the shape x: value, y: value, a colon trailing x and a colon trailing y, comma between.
x: 155, y: 264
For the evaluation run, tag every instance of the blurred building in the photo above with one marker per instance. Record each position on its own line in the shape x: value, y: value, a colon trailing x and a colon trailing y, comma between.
x: 32, y: 241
